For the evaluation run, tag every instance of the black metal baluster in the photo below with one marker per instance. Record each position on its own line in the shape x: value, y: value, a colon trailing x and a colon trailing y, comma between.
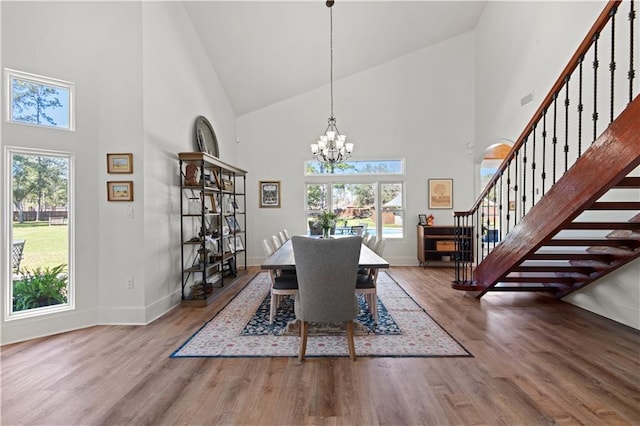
x: 508, y: 216
x: 516, y: 178
x: 632, y: 73
x: 594, y: 116
x: 500, y: 206
x: 612, y: 63
x: 544, y: 148
x: 524, y: 177
x: 533, y: 166
x: 580, y: 108
x: 554, y: 140
x: 566, y: 124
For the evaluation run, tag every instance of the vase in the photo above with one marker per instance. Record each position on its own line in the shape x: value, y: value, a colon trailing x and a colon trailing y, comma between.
x: 326, y: 232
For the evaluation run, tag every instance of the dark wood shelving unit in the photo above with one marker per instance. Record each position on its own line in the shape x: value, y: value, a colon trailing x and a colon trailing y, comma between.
x: 443, y: 245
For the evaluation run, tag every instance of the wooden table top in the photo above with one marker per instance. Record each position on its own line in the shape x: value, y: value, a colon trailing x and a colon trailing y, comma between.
x: 283, y: 257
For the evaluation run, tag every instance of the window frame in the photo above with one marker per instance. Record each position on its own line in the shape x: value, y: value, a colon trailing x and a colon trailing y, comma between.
x: 11, y: 74
x: 366, y: 178
x: 7, y: 289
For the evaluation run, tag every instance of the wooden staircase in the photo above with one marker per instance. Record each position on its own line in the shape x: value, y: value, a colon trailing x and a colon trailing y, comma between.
x: 557, y: 246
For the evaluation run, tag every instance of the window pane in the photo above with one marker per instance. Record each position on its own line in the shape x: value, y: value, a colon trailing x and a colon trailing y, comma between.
x: 40, y: 233
x: 392, y: 210
x: 355, y: 206
x: 376, y: 167
x: 40, y: 101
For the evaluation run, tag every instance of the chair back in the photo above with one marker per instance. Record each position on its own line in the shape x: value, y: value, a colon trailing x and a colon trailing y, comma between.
x: 283, y: 239
x: 357, y: 230
x: 276, y: 242
x: 16, y: 254
x: 379, y: 247
x: 286, y: 234
x: 326, y: 270
x: 370, y: 241
x: 267, y: 247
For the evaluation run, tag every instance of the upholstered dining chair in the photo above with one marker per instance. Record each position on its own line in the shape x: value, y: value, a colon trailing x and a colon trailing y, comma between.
x: 275, y: 240
x: 379, y: 246
x: 283, y: 238
x: 267, y: 248
x: 286, y: 234
x: 370, y: 241
x: 366, y: 286
x: 326, y: 270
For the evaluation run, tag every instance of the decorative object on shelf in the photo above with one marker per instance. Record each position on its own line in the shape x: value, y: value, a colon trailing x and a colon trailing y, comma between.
x: 430, y: 220
x: 332, y: 146
x: 227, y: 185
x: 269, y: 193
x: 120, y: 190
x: 120, y: 163
x: 422, y: 219
x: 234, y: 226
x: 234, y: 243
x: 191, y: 175
x: 326, y: 220
x: 440, y: 193
x: 206, y: 137
x: 212, y: 207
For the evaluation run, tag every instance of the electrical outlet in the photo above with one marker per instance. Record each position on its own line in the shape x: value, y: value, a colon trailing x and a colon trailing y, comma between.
x: 129, y: 283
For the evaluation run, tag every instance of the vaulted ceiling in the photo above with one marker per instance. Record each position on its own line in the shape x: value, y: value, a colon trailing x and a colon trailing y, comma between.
x: 268, y: 51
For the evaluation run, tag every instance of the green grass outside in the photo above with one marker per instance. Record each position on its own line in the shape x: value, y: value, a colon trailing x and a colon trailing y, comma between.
x: 45, y: 246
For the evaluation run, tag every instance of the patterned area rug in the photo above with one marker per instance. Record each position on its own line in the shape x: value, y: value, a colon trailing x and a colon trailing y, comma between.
x: 242, y: 329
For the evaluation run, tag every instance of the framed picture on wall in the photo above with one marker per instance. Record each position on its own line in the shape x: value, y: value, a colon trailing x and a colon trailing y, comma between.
x: 120, y: 191
x: 119, y: 163
x: 269, y: 193
x: 440, y: 193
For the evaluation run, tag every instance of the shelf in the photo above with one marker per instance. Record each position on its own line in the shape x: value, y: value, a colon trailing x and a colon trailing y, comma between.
x: 434, y: 242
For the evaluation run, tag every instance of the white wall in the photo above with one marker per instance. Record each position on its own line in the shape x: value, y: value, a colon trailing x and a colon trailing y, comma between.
x: 76, y: 42
x: 418, y: 107
x: 179, y: 84
x: 522, y: 47
x: 140, y: 83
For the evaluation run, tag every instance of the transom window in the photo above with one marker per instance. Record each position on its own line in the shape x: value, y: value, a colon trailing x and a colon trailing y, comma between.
x: 370, y: 167
x: 38, y: 100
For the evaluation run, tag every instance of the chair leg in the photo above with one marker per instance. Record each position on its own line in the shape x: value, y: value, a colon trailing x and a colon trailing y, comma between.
x: 274, y: 305
x: 303, y: 340
x: 373, y: 306
x: 352, y: 345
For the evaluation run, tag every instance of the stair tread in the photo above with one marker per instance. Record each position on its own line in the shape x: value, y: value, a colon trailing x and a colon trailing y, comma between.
x: 615, y: 205
x: 603, y: 225
x: 629, y: 182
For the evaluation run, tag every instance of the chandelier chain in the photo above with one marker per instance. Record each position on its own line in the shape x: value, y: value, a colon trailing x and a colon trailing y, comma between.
x: 331, y: 57
x: 331, y: 147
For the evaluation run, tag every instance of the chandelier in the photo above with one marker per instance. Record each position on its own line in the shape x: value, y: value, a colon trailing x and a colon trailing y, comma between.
x: 331, y: 147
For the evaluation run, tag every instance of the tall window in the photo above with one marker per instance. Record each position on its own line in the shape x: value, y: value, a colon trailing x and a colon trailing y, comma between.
x: 361, y: 200
x: 39, y: 243
x: 38, y: 100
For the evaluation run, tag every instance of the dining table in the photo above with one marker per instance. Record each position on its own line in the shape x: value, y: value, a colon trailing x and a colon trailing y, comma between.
x: 283, y: 258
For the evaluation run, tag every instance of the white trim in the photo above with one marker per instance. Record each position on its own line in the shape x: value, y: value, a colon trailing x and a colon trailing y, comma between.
x: 9, y: 74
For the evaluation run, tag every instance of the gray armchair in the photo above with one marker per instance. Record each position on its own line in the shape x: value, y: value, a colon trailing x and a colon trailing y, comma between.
x: 326, y: 271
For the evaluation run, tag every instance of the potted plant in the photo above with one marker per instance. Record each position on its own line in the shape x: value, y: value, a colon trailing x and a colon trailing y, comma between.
x: 326, y: 220
x: 40, y: 287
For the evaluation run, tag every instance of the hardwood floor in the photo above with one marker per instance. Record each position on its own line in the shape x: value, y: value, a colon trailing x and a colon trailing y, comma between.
x: 536, y: 361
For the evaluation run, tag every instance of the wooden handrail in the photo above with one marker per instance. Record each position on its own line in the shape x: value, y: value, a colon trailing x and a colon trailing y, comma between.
x: 597, y: 27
